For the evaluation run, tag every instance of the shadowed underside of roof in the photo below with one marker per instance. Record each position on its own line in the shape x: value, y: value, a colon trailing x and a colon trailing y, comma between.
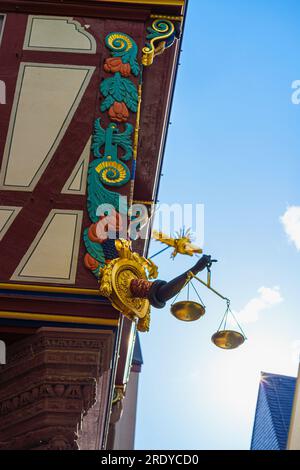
x: 137, y: 352
x: 273, y: 412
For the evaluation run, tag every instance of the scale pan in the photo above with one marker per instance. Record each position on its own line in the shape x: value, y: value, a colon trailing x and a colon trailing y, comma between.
x: 228, y: 339
x: 187, y: 310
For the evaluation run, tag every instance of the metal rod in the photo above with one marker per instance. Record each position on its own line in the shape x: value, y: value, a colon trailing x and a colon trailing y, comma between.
x: 188, y: 278
x: 136, y: 136
x: 211, y: 288
x: 228, y: 310
x: 159, y: 252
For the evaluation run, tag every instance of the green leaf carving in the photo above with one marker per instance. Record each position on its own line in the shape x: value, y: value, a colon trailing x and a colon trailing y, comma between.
x: 107, y: 103
x: 118, y: 88
x: 111, y: 140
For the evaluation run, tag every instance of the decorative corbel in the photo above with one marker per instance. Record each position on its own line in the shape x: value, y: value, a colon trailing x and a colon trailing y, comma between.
x: 55, y: 373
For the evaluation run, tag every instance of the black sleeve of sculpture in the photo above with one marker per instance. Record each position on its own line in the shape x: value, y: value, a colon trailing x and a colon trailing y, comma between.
x: 162, y: 291
x: 154, y: 299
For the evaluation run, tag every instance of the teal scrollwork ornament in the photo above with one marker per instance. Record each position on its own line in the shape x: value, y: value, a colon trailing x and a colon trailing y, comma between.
x: 112, y: 171
x: 98, y: 194
x: 107, y: 169
x: 161, y: 34
x: 111, y: 148
x: 121, y: 45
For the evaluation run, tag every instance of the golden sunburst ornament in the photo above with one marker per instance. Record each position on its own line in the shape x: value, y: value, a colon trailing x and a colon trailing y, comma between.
x: 182, y: 242
x: 111, y: 172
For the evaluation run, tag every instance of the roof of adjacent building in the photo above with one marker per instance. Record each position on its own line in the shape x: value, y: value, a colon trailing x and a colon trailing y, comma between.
x: 273, y: 412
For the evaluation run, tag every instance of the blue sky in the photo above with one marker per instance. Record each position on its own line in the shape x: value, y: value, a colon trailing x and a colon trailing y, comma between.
x: 233, y: 146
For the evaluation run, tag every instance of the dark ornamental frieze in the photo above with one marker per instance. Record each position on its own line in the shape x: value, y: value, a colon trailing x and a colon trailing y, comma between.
x: 59, y: 388
x: 48, y: 384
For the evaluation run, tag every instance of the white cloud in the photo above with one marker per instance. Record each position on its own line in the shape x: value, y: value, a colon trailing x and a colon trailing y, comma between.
x: 291, y: 223
x: 266, y: 298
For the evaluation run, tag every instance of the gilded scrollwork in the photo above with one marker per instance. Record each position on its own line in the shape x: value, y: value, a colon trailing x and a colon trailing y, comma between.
x: 161, y: 34
x: 116, y: 278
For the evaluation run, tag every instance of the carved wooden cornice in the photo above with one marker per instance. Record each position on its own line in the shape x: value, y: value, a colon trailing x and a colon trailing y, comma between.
x: 125, y: 9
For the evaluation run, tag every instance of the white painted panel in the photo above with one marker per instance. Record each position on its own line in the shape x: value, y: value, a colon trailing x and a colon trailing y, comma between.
x: 7, y: 216
x: 46, y: 99
x: 76, y: 183
x: 60, y: 34
x: 52, y: 256
x: 2, y: 24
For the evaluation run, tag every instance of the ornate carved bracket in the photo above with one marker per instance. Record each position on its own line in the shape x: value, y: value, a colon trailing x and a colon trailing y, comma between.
x: 161, y: 34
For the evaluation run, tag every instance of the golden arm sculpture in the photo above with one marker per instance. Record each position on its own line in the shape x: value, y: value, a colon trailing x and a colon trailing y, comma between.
x: 125, y: 282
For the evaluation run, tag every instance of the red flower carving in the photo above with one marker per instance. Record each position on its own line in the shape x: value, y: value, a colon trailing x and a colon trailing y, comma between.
x: 90, y: 262
x: 92, y: 234
x: 118, y: 112
x: 99, y: 232
x: 108, y: 225
x: 115, y: 64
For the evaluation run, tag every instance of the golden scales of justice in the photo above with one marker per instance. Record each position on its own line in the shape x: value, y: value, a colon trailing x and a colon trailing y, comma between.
x: 125, y: 281
x: 189, y: 310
